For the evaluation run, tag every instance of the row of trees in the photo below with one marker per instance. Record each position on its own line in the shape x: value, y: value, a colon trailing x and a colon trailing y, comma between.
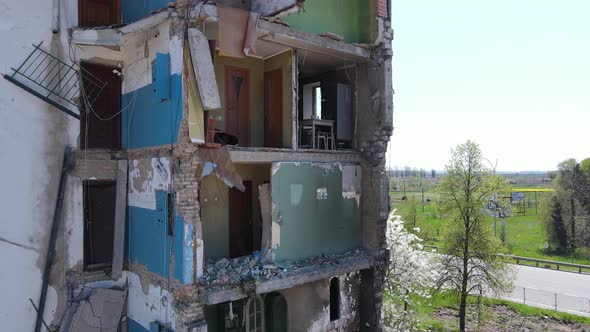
x: 568, y: 217
x: 407, y: 172
x: 470, y: 261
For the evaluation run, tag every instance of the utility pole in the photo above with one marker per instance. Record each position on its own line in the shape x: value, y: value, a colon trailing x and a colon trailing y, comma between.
x: 504, y: 230
x: 495, y: 227
x: 422, y: 199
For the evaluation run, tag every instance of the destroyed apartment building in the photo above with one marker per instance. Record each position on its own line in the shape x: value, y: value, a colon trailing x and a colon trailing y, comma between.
x: 194, y: 165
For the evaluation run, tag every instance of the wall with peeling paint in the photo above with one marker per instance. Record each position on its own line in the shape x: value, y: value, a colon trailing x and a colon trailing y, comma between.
x: 148, y: 120
x: 148, y: 239
x: 308, y: 305
x: 146, y: 304
x: 316, y: 209
x: 214, y: 202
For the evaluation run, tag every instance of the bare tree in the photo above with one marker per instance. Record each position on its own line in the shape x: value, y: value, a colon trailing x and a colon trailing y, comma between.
x: 472, y: 262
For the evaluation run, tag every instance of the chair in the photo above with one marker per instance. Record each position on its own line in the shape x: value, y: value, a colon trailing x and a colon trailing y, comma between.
x: 305, y: 130
x: 327, y: 139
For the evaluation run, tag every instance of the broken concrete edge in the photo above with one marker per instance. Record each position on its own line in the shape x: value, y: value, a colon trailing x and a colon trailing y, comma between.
x: 215, y: 294
x: 90, y: 159
x: 113, y: 36
x: 276, y: 32
x: 287, y: 35
x: 86, y: 294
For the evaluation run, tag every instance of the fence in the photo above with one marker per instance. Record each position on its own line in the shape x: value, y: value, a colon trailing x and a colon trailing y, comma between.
x: 540, y: 263
x: 556, y: 301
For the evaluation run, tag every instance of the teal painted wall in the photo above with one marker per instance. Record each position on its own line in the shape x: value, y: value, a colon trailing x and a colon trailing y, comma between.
x: 350, y: 19
x: 310, y: 226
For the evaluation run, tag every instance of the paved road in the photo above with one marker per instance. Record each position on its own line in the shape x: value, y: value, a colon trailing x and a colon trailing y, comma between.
x: 546, y: 288
x: 553, y: 281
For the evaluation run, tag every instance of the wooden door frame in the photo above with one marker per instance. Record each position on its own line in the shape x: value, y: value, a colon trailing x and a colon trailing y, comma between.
x: 247, y: 71
x: 117, y: 4
x: 248, y: 184
x: 119, y: 134
x: 266, y: 118
x: 85, y: 184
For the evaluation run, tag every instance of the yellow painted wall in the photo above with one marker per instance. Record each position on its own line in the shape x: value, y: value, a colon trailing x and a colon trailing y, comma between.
x: 283, y: 61
x: 214, y: 202
x: 257, y: 67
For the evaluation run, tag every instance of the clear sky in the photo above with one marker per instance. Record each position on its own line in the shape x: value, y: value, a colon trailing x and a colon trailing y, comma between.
x: 512, y: 75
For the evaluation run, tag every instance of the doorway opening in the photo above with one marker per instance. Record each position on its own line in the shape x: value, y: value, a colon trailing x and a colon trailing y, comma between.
x: 99, y: 223
x: 100, y: 125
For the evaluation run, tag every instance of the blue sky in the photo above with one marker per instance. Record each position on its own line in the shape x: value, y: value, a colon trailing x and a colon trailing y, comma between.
x: 512, y: 75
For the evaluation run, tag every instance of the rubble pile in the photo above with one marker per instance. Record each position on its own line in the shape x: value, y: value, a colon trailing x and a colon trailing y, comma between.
x: 231, y: 271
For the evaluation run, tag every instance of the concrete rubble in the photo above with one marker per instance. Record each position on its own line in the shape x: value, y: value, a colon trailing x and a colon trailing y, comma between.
x: 233, y: 271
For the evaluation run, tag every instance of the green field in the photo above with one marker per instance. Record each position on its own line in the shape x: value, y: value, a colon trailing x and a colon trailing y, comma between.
x: 525, y: 233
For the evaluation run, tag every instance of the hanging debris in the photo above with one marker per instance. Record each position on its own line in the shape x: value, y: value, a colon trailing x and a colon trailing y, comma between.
x: 218, y: 161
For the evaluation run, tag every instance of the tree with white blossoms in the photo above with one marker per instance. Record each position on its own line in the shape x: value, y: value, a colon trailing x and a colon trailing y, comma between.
x: 472, y: 260
x: 411, y: 272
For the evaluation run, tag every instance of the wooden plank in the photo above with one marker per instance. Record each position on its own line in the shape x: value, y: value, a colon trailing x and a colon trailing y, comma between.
x: 266, y: 213
x: 120, y: 208
x: 203, y: 69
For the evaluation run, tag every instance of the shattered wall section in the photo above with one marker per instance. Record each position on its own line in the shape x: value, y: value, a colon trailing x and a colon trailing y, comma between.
x: 374, y: 128
x: 148, y: 303
x: 315, y: 209
x: 309, y: 305
x: 214, y: 202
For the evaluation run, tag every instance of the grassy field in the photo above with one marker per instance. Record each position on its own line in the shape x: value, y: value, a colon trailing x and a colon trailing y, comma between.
x: 525, y: 233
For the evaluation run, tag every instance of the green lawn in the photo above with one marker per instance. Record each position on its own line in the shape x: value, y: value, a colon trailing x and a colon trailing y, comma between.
x: 525, y: 233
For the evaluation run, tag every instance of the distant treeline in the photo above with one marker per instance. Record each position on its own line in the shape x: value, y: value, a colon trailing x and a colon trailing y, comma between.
x: 409, y: 172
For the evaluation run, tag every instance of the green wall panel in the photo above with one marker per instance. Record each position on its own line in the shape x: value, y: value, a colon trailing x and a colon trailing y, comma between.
x: 310, y: 226
x: 350, y: 19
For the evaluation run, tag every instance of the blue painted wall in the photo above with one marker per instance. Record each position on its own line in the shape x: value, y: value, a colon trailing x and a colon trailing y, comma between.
x: 149, y: 243
x: 133, y: 326
x: 153, y: 121
x: 135, y: 10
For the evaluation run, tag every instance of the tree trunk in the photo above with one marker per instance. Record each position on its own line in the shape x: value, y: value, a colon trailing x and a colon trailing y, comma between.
x: 573, y: 224
x: 462, y: 311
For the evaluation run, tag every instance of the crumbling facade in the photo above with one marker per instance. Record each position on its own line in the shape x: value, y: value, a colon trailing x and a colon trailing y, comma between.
x: 226, y: 170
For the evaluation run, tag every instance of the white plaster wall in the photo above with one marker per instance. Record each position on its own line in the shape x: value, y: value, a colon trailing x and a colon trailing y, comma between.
x: 32, y: 139
x: 139, y: 50
x: 155, y: 304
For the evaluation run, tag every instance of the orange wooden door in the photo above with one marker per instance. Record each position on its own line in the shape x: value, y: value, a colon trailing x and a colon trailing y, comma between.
x: 237, y: 103
x: 273, y: 108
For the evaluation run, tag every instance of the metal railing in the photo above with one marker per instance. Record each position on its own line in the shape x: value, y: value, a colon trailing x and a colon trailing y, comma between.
x: 546, y: 299
x: 549, y: 264
x: 57, y: 82
x: 540, y: 263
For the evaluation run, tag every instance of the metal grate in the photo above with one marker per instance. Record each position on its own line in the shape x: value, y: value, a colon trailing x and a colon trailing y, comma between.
x: 56, y: 81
